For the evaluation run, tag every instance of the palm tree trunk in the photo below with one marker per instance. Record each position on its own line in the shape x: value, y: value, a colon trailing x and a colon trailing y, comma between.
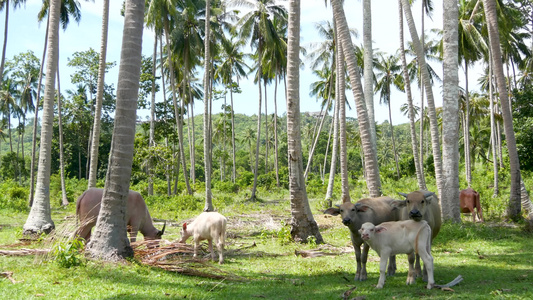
x: 233, y: 174
x: 393, y: 142
x: 303, y: 225
x: 176, y: 110
x: 341, y: 101
x: 275, y: 131
x: 266, y: 129
x: 496, y: 189
x: 435, y: 140
x: 317, y: 136
x: 256, y: 169
x: 4, y: 47
x: 64, y: 200
x: 513, y: 209
x: 334, y: 152
x: 371, y: 165
x: 40, y: 218
x: 411, y: 111
x: 109, y: 240
x: 368, y: 74
x: 468, y: 163
x: 152, y: 121
x: 450, y: 119
x: 93, y: 167
x: 207, y: 112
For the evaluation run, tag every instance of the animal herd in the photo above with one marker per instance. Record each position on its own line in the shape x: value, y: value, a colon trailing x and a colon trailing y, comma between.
x: 387, y: 225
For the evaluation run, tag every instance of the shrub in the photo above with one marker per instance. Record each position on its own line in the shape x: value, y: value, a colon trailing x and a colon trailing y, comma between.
x: 68, y: 254
x: 227, y: 187
x: 13, y: 196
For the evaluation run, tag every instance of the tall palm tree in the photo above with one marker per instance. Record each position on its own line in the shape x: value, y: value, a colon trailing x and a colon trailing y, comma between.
x: 371, y: 165
x: 110, y: 240
x: 165, y: 11
x: 302, y: 222
x: 207, y: 99
x: 368, y: 74
x: 40, y: 218
x: 5, y: 4
x: 435, y: 140
x: 513, y: 208
x: 257, y: 27
x: 95, y: 143
x: 410, y: 107
x: 450, y: 117
x: 388, y: 75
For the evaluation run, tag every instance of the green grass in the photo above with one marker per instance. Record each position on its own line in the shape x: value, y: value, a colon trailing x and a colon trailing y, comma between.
x: 495, y: 260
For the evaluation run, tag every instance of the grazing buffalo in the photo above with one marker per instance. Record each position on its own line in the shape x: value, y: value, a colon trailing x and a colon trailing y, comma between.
x: 137, y: 215
x: 469, y: 203
x: 373, y: 210
x: 422, y: 205
x: 210, y: 226
x: 409, y: 237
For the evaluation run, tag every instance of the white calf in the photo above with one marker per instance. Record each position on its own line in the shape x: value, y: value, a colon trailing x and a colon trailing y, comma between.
x: 210, y: 226
x: 392, y: 238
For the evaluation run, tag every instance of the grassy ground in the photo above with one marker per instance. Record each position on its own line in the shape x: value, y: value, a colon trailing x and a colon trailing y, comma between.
x: 495, y: 260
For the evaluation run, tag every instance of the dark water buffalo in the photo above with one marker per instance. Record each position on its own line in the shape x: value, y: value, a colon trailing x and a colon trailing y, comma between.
x: 373, y: 210
x: 422, y: 205
x: 469, y: 203
x: 137, y: 215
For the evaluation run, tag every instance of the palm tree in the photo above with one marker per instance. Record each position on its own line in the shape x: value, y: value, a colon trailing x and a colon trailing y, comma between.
x: 388, y: 75
x: 303, y: 224
x: 207, y: 113
x: 410, y: 107
x: 95, y: 143
x: 165, y: 11
x: 232, y: 64
x: 5, y: 4
x: 435, y: 140
x: 257, y: 27
x: 40, y: 218
x: 110, y: 241
x: 513, y: 209
x: 371, y: 166
x: 450, y: 117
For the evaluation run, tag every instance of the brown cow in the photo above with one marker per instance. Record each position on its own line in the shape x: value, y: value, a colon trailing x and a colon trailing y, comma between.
x: 422, y: 205
x: 373, y: 210
x: 469, y: 203
x: 409, y: 237
x: 137, y: 215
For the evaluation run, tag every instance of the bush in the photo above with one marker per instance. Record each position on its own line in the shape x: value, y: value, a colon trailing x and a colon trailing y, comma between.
x: 68, y: 254
x: 13, y: 196
x: 227, y: 187
x: 174, y: 203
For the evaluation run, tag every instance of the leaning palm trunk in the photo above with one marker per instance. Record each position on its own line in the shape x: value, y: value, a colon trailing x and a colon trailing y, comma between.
x: 110, y: 241
x: 450, y: 118
x: 496, y: 189
x: 303, y: 224
x: 334, y: 152
x: 233, y: 174
x: 317, y: 136
x: 513, y: 209
x: 276, y: 166
x: 435, y: 140
x: 207, y: 133
x: 468, y: 163
x: 371, y: 163
x: 368, y: 73
x: 93, y: 167
x: 341, y: 101
x: 64, y: 200
x: 40, y: 218
x: 152, y: 121
x: 411, y: 112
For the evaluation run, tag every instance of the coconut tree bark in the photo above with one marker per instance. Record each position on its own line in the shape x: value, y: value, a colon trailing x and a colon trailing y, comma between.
x: 433, y: 122
x: 450, y: 118
x: 368, y: 74
x: 109, y: 240
x: 207, y: 99
x: 64, y: 199
x: 371, y: 163
x: 152, y: 119
x: 411, y: 111
x: 303, y: 225
x: 40, y: 218
x: 334, y: 152
x: 513, y: 208
x: 341, y: 101
x: 95, y: 144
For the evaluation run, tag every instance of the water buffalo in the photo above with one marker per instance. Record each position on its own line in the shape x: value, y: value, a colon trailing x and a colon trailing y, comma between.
x: 469, y: 202
x: 210, y: 226
x: 373, y: 210
x: 421, y: 205
x: 408, y: 236
x: 137, y: 215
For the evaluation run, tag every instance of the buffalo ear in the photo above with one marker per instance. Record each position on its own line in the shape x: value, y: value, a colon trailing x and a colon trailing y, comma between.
x: 332, y: 211
x: 397, y: 204
x: 428, y: 196
x: 361, y: 207
x: 380, y: 229
x: 184, y: 226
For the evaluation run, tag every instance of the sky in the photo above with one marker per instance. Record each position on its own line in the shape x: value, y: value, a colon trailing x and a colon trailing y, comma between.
x: 25, y: 33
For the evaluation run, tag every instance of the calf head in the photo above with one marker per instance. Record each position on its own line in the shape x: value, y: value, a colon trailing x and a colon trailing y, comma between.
x: 368, y: 230
x: 185, y: 234
x: 416, y: 203
x: 349, y: 212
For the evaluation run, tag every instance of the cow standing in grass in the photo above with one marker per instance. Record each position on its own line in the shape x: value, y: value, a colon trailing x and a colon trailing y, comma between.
x: 210, y: 226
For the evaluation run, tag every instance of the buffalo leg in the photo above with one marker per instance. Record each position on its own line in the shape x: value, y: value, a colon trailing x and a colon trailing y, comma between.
x: 382, y: 268
x: 411, y: 276
x: 391, y: 270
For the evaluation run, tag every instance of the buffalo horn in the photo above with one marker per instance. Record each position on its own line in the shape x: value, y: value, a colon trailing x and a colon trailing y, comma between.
x: 403, y: 194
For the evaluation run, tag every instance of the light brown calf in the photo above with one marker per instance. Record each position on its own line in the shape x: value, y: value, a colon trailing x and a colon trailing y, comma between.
x: 210, y: 226
x: 392, y: 238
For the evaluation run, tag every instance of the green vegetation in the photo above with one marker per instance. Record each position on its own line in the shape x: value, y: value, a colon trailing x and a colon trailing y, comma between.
x: 261, y: 262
